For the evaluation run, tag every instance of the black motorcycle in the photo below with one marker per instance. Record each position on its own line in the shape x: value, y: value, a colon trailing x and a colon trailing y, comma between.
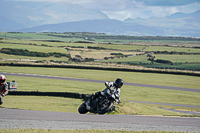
x: 104, y: 103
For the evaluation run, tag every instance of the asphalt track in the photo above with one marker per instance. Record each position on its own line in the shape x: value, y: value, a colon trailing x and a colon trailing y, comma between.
x: 20, y: 119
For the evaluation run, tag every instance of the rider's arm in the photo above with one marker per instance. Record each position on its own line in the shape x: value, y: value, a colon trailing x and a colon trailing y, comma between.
x: 111, y: 89
x: 117, y: 95
x: 109, y: 84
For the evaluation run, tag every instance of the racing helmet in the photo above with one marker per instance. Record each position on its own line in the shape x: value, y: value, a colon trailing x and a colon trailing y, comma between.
x: 119, y: 83
x: 2, y: 78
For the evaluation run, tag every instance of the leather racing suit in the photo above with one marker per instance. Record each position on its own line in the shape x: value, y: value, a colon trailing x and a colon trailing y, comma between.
x: 3, y: 91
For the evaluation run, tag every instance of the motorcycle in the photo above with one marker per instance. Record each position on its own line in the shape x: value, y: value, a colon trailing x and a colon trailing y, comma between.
x: 104, y: 103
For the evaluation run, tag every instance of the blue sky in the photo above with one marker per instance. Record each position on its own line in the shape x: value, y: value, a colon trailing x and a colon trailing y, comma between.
x: 123, y: 9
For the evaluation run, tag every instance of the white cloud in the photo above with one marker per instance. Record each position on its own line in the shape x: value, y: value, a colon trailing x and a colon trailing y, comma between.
x: 123, y: 9
x: 144, y: 11
x: 189, y: 8
x: 35, y: 18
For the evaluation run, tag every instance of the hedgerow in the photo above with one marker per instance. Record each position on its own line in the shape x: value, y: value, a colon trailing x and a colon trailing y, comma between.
x: 26, y: 52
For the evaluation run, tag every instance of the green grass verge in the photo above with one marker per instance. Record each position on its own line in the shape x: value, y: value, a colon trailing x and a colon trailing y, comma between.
x: 40, y: 103
x: 191, y: 67
x: 71, y: 105
x: 78, y: 131
x: 127, y: 92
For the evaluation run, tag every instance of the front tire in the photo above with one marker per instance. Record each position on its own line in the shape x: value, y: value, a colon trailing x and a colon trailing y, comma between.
x: 106, y: 109
x: 82, y: 109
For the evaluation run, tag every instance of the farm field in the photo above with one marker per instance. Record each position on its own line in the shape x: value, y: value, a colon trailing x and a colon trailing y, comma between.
x: 142, y: 59
x: 79, y: 48
x: 173, y: 48
x: 98, y: 37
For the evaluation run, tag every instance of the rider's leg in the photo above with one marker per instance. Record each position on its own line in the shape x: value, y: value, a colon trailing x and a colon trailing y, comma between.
x: 90, y: 100
x: 1, y: 100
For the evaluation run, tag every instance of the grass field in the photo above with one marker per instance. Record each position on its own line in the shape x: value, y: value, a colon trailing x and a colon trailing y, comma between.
x: 35, y: 36
x: 131, y: 77
x: 28, y: 59
x: 124, y: 45
x: 186, y: 66
x: 127, y: 92
x: 134, y: 59
x: 78, y: 36
x: 180, y: 58
x: 47, y: 43
x: 121, y: 47
x: 34, y: 48
x: 143, y: 59
x: 189, y: 62
x: 176, y: 49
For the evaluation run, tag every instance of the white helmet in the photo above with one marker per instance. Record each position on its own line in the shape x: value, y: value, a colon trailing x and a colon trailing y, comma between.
x: 2, y: 78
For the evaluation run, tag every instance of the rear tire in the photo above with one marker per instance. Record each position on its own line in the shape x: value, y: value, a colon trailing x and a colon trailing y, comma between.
x: 82, y: 109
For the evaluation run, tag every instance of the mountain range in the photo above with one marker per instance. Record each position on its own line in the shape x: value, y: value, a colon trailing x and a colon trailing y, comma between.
x: 28, y: 14
x: 58, y: 17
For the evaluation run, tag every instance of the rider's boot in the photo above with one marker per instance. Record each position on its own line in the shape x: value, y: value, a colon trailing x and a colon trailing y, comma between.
x: 88, y: 104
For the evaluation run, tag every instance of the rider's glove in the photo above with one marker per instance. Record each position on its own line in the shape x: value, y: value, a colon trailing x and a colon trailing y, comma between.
x: 106, y: 84
x: 118, y: 101
x: 3, y: 95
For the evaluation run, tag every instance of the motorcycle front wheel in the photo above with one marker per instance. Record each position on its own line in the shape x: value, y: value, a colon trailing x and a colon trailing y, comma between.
x: 104, y: 108
x: 82, y: 109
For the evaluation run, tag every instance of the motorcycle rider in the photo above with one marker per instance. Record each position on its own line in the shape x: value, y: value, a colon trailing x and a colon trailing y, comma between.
x: 3, y: 88
x: 112, y: 88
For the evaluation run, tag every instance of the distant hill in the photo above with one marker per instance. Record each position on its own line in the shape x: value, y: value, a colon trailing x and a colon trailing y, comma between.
x: 184, y: 15
x: 108, y: 26
x: 30, y: 14
x: 116, y: 27
x: 178, y: 24
x: 8, y: 24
